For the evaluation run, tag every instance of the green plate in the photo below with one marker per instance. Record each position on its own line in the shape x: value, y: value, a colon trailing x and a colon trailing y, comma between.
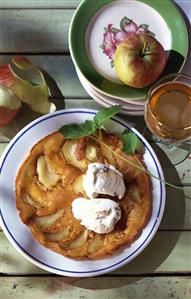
x: 172, y: 31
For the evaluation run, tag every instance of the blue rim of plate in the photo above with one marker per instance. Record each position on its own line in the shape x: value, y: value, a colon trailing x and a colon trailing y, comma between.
x: 168, y: 11
x: 100, y: 271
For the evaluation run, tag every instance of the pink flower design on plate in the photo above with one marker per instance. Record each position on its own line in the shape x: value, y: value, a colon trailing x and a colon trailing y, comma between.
x: 113, y: 36
x: 109, y: 43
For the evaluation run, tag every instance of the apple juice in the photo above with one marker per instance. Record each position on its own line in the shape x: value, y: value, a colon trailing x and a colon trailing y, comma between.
x: 168, y: 112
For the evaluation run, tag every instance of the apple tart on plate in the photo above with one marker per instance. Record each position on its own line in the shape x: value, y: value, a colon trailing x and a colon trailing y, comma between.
x: 52, y: 178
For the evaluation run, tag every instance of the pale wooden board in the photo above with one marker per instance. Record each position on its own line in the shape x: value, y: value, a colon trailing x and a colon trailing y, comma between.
x: 177, y: 209
x: 36, y: 30
x: 165, y: 254
x: 39, y: 3
x: 2, y: 147
x: 93, y: 288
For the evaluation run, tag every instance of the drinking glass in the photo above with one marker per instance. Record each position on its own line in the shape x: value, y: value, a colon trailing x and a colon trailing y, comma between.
x: 168, y: 115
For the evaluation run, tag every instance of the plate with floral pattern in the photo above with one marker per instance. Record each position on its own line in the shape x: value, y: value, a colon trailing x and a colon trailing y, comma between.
x: 97, y: 27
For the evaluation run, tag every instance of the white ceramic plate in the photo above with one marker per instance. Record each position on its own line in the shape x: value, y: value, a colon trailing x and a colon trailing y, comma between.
x: 105, y: 23
x: 105, y: 103
x: 138, y: 104
x: 18, y: 233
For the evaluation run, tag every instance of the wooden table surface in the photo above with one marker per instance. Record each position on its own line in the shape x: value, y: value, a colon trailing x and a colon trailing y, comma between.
x: 39, y: 30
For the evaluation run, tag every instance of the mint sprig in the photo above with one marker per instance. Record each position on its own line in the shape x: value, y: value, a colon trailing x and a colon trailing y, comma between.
x: 131, y: 143
x: 75, y: 131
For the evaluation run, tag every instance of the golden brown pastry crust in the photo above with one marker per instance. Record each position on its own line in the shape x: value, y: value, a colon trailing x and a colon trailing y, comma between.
x: 47, y: 210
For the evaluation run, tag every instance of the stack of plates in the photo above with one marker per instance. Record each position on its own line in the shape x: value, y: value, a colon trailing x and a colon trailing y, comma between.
x: 96, y: 28
x: 128, y: 106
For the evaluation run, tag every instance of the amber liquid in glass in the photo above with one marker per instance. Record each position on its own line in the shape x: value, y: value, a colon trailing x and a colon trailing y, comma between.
x: 168, y: 112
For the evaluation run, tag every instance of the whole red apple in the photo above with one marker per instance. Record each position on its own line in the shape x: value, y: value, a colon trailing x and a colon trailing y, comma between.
x: 139, y: 60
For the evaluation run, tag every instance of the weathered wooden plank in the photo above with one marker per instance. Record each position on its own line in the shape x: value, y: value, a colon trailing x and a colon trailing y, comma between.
x: 102, y: 287
x: 34, y: 30
x: 166, y: 259
x: 39, y: 4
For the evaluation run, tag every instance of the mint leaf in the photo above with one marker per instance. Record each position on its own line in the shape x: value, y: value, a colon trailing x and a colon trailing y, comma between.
x: 114, y: 30
x: 105, y: 114
x: 124, y: 22
x: 74, y: 131
x: 143, y: 26
x: 131, y: 143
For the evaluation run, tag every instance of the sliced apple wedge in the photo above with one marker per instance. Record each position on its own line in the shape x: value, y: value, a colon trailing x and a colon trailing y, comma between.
x: 77, y: 242
x: 61, y: 235
x: 78, y: 185
x: 91, y: 152
x: 49, y: 220
x: 28, y: 200
x: 69, y: 150
x: 46, y: 176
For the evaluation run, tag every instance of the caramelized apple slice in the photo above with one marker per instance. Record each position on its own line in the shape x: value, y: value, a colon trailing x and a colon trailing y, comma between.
x: 69, y: 150
x: 77, y: 242
x: 28, y: 200
x: 96, y: 243
x: 91, y: 152
x: 78, y: 185
x: 54, y: 158
x: 67, y: 234
x: 46, y: 176
x: 59, y: 236
x: 49, y: 220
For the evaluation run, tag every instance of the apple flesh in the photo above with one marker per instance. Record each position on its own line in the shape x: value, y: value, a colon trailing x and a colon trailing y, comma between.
x: 139, y: 60
x: 9, y: 106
